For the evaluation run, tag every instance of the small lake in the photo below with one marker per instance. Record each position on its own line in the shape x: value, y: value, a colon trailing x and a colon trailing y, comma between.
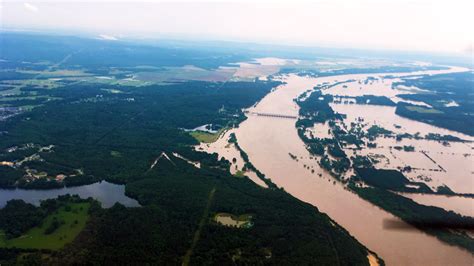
x: 106, y: 193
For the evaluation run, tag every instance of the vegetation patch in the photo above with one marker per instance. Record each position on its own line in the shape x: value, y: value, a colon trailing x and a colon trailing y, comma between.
x: 206, y: 137
x: 115, y: 154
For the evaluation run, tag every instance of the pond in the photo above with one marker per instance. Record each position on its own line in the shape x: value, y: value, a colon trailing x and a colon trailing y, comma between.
x: 106, y: 193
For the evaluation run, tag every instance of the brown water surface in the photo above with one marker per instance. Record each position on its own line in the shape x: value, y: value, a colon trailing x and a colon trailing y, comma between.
x: 268, y: 141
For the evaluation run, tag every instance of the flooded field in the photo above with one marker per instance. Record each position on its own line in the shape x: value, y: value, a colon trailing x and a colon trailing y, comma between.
x: 436, y: 163
x: 268, y: 142
x: 431, y: 162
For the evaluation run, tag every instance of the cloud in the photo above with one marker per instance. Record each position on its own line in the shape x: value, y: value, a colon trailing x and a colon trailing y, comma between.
x: 107, y: 37
x: 31, y: 7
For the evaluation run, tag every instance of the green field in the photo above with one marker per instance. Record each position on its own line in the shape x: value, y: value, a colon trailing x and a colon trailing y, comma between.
x: 424, y: 110
x: 36, y: 238
x: 207, y: 137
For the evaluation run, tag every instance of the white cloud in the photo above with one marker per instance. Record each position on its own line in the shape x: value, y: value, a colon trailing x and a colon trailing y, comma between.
x: 107, y: 37
x: 31, y: 7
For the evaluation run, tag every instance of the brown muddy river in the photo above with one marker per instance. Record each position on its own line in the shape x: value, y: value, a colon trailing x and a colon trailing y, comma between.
x: 268, y: 142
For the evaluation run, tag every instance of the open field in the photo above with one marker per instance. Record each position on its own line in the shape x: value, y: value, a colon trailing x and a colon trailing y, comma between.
x: 227, y: 219
x: 206, y: 137
x: 74, y: 221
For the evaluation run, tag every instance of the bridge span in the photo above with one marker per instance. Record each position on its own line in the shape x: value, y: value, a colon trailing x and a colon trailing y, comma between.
x: 273, y: 115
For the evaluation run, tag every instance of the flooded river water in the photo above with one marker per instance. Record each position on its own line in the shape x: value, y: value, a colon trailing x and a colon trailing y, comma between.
x: 268, y: 142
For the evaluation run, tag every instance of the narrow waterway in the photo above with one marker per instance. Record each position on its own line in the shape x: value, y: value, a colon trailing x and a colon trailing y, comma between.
x: 268, y: 142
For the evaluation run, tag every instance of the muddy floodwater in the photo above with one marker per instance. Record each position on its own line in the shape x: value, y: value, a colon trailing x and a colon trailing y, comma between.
x: 268, y: 142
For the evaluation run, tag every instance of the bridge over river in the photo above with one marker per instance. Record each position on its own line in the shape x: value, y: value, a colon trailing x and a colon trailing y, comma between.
x: 273, y: 115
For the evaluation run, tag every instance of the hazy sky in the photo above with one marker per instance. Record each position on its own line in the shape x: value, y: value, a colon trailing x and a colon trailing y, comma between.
x: 428, y: 25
